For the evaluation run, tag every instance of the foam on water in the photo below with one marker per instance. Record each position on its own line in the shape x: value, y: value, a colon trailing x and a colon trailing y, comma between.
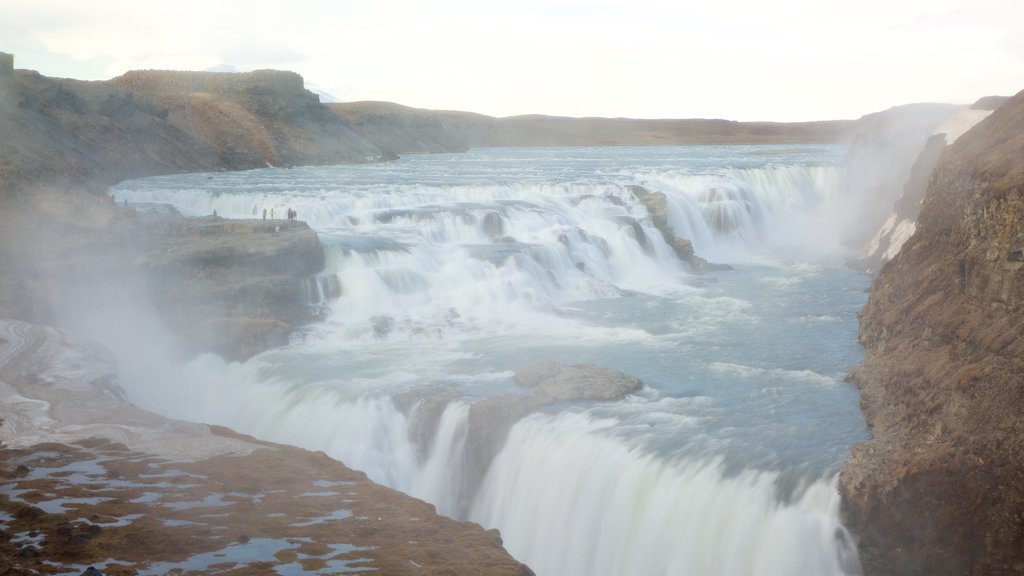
x: 454, y: 271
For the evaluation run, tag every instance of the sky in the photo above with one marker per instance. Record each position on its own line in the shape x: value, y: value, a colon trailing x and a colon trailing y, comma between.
x: 775, y: 60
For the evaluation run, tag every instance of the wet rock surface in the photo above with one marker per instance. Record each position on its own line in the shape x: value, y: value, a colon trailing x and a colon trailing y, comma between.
x: 64, y: 507
x: 87, y: 479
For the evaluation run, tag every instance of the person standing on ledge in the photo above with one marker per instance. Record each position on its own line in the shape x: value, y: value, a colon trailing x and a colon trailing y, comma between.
x: 271, y: 213
x: 264, y: 213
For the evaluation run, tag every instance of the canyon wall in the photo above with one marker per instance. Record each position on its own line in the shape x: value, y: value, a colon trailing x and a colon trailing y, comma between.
x: 939, y: 488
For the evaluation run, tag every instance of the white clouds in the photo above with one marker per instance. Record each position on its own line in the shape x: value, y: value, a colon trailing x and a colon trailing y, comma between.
x: 740, y: 59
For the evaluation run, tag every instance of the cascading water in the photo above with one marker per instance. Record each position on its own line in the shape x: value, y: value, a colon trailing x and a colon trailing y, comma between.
x: 446, y: 274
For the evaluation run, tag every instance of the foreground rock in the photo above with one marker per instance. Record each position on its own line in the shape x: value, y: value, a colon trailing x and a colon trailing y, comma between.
x: 88, y: 480
x: 939, y: 489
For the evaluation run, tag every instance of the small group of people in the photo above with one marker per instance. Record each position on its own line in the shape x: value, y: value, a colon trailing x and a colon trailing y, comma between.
x: 292, y: 214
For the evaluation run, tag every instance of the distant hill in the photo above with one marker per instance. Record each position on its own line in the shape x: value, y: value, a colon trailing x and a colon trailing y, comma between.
x: 150, y: 122
x: 410, y: 130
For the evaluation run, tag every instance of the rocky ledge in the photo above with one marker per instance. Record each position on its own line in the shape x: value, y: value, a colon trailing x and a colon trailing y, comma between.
x: 939, y: 488
x: 233, y: 287
x: 86, y: 479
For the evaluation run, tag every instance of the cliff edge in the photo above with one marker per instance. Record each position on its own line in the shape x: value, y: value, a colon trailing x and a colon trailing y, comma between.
x: 939, y: 489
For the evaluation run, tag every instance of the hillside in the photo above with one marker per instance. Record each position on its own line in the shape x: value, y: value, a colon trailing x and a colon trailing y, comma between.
x: 401, y: 129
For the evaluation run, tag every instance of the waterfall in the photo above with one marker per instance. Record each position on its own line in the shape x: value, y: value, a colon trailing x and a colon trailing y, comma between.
x: 569, y: 494
x: 446, y: 274
x: 474, y: 252
x: 575, y: 501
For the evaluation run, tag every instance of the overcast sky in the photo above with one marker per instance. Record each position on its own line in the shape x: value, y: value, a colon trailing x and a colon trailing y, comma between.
x: 782, y: 60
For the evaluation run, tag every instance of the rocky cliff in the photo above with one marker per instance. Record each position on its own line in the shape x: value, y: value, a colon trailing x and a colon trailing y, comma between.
x: 254, y: 118
x: 68, y: 132
x: 234, y: 289
x: 939, y: 488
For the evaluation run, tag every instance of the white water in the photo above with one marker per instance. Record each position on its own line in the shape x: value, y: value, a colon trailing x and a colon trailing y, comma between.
x: 456, y: 270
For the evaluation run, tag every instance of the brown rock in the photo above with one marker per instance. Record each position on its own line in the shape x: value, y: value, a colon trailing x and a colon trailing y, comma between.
x: 939, y: 488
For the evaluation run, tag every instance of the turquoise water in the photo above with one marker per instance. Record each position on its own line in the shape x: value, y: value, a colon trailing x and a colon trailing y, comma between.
x: 456, y: 270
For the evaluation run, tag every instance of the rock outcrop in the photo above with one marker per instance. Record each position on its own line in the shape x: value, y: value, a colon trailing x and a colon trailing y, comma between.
x: 939, y: 488
x: 553, y: 382
x: 86, y: 478
x: 89, y: 135
x: 234, y: 287
x: 225, y: 286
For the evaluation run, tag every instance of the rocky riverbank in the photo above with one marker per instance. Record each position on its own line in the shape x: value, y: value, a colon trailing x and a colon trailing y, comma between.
x: 939, y: 488
x: 87, y: 479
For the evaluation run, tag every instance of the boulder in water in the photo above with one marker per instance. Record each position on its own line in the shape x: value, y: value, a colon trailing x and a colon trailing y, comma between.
x: 553, y: 381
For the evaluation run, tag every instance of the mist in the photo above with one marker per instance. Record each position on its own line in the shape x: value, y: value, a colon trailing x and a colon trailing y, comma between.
x: 623, y: 357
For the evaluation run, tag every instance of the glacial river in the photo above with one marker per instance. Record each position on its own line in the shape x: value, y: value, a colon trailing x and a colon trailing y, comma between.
x: 452, y: 271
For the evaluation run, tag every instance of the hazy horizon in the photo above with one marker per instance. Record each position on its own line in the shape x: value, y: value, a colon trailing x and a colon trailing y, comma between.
x: 790, y: 60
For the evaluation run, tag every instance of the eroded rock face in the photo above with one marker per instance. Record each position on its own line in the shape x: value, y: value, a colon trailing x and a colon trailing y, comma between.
x: 939, y: 489
x: 233, y: 287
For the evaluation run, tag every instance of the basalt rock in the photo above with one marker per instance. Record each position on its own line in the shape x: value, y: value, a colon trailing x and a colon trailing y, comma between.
x: 939, y: 488
x: 490, y: 419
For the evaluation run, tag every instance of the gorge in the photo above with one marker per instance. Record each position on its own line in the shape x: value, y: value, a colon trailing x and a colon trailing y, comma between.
x: 940, y: 381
